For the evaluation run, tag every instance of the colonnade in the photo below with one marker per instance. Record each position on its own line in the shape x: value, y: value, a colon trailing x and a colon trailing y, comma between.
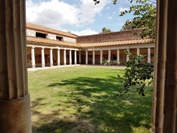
x: 51, y: 49
x: 72, y: 56
x: 149, y: 60
x: 58, y: 56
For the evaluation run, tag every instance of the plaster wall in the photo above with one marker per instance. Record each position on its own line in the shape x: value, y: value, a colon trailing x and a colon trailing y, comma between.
x: 67, y: 39
x: 51, y: 36
x: 30, y: 33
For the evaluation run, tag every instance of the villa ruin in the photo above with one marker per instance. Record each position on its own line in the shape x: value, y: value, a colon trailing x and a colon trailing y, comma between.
x: 15, y: 112
x: 47, y: 47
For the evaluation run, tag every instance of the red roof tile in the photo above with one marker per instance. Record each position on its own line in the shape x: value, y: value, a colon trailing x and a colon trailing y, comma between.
x: 115, y: 43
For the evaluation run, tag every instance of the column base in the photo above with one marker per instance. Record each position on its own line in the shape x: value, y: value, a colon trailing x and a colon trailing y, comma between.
x: 15, y: 115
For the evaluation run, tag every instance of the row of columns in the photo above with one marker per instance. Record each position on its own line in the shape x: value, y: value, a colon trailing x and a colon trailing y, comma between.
x: 51, y: 56
x: 118, y: 56
x: 75, y: 55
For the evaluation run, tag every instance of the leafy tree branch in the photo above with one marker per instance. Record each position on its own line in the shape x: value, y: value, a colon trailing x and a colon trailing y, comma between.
x: 138, y: 73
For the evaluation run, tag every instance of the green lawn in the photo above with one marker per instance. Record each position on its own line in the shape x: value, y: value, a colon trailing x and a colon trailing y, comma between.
x: 82, y: 100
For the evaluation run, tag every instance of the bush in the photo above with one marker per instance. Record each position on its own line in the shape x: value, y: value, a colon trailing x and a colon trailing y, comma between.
x: 137, y: 73
x: 112, y: 62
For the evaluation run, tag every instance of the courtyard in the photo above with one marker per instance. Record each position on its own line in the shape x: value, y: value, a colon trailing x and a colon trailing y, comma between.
x: 83, y: 100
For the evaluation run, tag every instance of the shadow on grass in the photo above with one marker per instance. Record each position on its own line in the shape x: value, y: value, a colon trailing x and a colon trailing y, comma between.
x: 98, y: 109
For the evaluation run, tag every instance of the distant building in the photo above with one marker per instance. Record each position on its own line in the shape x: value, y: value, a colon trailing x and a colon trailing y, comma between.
x: 52, y: 48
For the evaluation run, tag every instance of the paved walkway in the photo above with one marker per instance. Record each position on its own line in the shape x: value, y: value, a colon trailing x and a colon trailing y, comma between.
x: 78, y: 65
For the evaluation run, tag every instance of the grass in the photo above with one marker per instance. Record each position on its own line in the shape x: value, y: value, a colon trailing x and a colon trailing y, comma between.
x: 82, y: 100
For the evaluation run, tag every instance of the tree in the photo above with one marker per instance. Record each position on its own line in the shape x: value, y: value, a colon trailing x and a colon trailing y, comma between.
x: 137, y: 72
x: 98, y: 1
x: 105, y: 30
x: 144, y: 12
x: 127, y: 25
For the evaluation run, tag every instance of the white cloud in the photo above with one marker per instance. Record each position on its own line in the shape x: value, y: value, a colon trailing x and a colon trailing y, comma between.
x: 121, y: 9
x: 109, y: 17
x: 54, y: 13
x: 87, y: 31
x: 88, y: 10
x: 51, y: 14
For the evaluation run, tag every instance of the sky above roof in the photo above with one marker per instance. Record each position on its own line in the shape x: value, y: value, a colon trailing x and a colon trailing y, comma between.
x: 81, y: 17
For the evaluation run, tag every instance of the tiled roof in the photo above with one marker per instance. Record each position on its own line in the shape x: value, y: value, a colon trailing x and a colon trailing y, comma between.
x: 115, y: 43
x: 49, y: 30
x: 43, y: 41
x: 100, y: 40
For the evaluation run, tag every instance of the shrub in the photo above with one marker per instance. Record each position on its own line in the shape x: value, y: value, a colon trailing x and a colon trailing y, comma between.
x: 137, y: 73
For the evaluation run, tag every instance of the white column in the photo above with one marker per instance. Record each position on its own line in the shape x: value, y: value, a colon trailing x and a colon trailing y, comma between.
x: 149, y: 55
x: 64, y: 56
x: 86, y: 57
x: 79, y: 56
x: 93, y: 61
x: 43, y: 57
x: 127, y: 59
x: 51, y: 57
x: 70, y: 57
x: 118, y: 56
x: 101, y: 57
x: 138, y: 51
x: 109, y: 55
x: 58, y: 56
x: 75, y: 57
x: 33, y: 57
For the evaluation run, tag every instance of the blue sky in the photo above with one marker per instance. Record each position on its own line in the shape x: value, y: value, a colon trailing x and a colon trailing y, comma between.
x: 81, y: 17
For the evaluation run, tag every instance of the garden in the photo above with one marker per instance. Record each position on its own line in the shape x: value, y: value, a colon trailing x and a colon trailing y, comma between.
x: 84, y: 100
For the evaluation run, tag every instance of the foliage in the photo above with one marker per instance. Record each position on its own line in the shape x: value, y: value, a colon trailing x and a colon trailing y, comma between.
x: 107, y: 62
x: 98, y: 1
x: 105, y: 30
x: 113, y: 62
x: 137, y: 73
x: 144, y: 17
x: 144, y: 12
x: 127, y: 25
